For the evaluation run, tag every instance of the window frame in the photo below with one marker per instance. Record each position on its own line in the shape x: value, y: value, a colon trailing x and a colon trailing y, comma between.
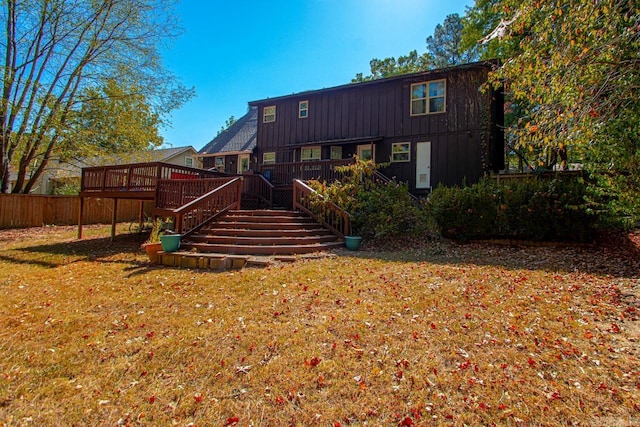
x: 187, y: 160
x: 267, y: 116
x: 311, y: 148
x: 304, y: 109
x: 269, y: 154
x: 363, y: 147
x: 335, y: 149
x: 393, y: 158
x: 219, y: 162
x: 427, y: 98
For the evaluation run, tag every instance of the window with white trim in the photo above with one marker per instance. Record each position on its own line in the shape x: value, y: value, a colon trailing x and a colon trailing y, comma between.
x: 400, y: 152
x: 310, y: 153
x: 219, y: 163
x: 188, y: 161
x: 269, y: 158
x: 269, y: 114
x: 303, y: 109
x: 428, y: 97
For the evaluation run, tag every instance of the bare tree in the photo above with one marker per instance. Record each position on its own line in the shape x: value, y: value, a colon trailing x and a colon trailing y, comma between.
x: 53, y: 50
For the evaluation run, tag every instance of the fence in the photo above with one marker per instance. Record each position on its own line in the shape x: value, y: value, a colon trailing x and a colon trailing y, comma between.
x: 29, y: 210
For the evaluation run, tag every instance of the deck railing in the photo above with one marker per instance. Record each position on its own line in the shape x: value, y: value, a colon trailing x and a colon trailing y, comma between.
x: 257, y: 185
x: 197, y: 213
x: 327, y: 213
x: 285, y: 173
x: 174, y: 193
x: 137, y: 176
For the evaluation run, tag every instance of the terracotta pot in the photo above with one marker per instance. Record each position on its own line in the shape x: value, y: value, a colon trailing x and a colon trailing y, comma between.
x: 152, y: 251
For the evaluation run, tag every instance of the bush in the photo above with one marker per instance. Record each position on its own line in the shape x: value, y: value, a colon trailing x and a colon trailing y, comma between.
x: 378, y: 209
x: 532, y: 209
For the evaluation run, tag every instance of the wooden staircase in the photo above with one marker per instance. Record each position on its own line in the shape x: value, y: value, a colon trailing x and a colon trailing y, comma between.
x: 262, y: 232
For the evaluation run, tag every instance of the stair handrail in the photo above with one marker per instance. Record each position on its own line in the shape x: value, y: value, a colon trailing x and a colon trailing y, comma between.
x: 265, y: 187
x: 385, y: 179
x: 330, y: 215
x: 199, y: 212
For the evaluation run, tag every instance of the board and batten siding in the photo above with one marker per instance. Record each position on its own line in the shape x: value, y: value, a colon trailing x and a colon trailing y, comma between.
x: 464, y: 140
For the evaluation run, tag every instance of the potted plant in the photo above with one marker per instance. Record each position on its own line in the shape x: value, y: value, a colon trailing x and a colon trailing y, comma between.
x: 170, y: 241
x: 353, y: 240
x: 153, y: 245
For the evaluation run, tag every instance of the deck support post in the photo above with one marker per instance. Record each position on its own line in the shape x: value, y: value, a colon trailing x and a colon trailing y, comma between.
x: 141, y: 216
x: 80, y: 210
x: 114, y: 218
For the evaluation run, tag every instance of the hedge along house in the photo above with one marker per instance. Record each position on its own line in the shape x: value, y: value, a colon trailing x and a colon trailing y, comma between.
x: 430, y: 127
x: 231, y: 150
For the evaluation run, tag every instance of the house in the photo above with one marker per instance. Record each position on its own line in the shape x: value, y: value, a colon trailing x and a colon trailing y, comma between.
x: 430, y: 127
x: 60, y: 173
x: 231, y: 151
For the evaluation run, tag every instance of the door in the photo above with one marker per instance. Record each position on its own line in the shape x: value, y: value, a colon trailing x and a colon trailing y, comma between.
x: 423, y: 165
x: 243, y: 163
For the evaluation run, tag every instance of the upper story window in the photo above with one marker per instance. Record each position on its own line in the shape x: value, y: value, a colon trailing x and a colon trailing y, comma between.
x: 400, y: 152
x: 310, y: 153
x: 269, y: 114
x: 188, y: 161
x: 303, y: 109
x: 428, y: 97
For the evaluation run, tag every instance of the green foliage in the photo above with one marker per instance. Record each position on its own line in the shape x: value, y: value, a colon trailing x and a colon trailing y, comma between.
x: 574, y: 77
x: 60, y: 59
x: 378, y: 209
x: 444, y: 48
x: 68, y: 189
x: 532, y: 209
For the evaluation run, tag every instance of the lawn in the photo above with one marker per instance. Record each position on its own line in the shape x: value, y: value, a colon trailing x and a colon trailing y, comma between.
x: 439, y: 334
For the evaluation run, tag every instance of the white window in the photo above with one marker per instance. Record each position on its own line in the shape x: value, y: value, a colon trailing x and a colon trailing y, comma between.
x: 400, y: 152
x: 310, y: 153
x: 269, y: 114
x: 428, y: 98
x: 188, y: 161
x: 269, y: 158
x: 336, y: 152
x: 303, y: 109
x: 365, y: 152
x: 219, y: 163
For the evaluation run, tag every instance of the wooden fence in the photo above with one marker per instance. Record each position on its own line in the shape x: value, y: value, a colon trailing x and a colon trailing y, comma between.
x: 29, y: 210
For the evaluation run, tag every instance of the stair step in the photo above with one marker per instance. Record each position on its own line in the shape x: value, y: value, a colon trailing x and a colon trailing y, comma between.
x: 266, y: 218
x: 260, y: 249
x: 262, y: 241
x: 268, y: 212
x: 279, y: 232
x: 265, y: 225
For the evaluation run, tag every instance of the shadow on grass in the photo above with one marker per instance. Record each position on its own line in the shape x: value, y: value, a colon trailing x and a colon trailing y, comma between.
x: 54, y: 255
x: 612, y: 254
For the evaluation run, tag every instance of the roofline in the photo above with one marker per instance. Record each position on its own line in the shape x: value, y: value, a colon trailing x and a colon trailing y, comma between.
x: 480, y: 64
x: 225, y: 153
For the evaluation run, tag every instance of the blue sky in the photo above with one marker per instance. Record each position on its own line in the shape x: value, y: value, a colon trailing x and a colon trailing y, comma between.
x: 236, y: 51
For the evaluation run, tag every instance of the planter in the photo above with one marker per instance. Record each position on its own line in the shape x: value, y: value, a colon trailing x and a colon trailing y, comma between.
x: 152, y: 250
x: 352, y: 242
x: 170, y: 242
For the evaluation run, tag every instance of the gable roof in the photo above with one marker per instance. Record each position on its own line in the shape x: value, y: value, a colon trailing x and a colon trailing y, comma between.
x: 240, y: 137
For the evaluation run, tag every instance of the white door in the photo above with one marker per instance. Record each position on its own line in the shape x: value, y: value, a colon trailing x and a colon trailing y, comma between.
x: 423, y: 165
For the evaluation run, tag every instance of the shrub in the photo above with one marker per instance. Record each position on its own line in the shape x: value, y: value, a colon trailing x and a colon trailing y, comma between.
x: 377, y: 208
x: 532, y: 209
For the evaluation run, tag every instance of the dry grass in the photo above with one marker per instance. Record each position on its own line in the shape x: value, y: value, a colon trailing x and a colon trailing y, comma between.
x: 91, y: 334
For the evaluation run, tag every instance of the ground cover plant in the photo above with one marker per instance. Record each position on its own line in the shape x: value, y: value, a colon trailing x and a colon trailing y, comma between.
x: 439, y: 334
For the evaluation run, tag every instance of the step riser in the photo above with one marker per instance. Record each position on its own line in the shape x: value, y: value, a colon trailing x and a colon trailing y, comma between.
x: 299, y: 232
x: 262, y: 232
x: 260, y: 250
x: 263, y: 241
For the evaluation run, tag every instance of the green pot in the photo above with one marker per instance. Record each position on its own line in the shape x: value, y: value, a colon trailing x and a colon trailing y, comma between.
x: 170, y: 242
x: 352, y: 242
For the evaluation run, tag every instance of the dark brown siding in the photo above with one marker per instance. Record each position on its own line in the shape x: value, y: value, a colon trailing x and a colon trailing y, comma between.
x: 464, y: 139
